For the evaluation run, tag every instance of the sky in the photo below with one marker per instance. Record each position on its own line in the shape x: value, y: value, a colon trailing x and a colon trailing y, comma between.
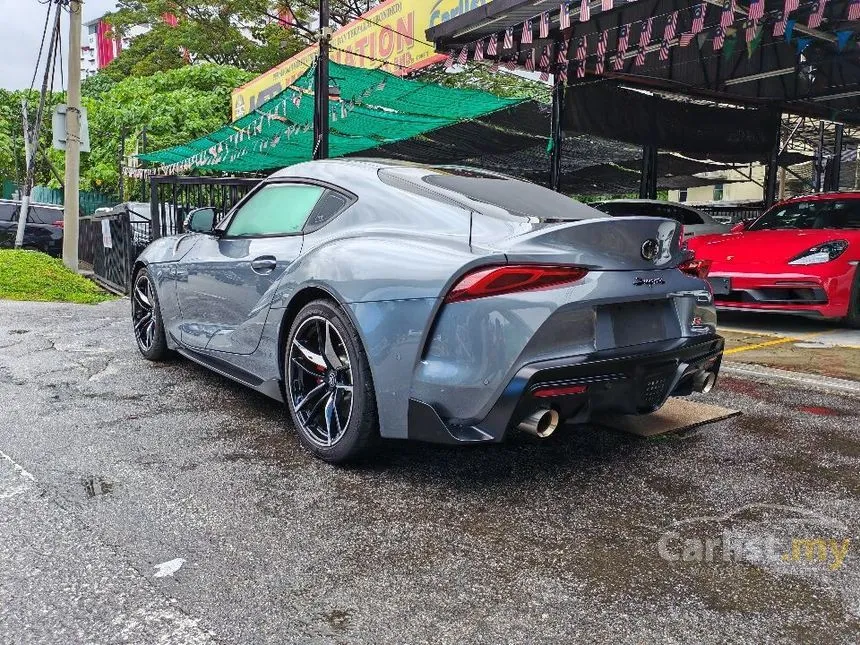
x: 21, y: 23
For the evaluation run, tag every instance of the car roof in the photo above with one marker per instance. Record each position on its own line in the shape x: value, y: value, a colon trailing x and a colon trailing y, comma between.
x: 822, y: 197
x: 58, y: 207
x: 647, y: 201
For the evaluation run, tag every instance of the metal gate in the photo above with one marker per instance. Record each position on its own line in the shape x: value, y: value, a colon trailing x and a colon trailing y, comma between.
x: 172, y: 198
x: 109, y: 244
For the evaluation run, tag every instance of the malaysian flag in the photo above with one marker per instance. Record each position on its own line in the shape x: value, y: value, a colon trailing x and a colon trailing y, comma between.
x: 493, y: 47
x: 686, y: 38
x: 562, y: 53
x: 668, y: 35
x: 479, y: 50
x: 607, y: 5
x: 543, y: 29
x: 511, y: 64
x: 495, y: 66
x: 564, y: 16
x: 756, y: 9
x: 779, y: 25
x: 530, y: 61
x: 790, y: 5
x: 618, y: 62
x: 623, y: 39
x: 854, y: 10
x: 527, y: 33
x: 719, y: 38
x: 544, y: 64
x: 645, y: 34
x: 581, y: 48
x: 640, y: 56
x: 817, y: 14
x: 584, y: 11
x: 601, y: 51
x: 509, y: 38
x: 751, y: 28
x: 699, y: 13
x: 728, y: 15
x: 463, y: 57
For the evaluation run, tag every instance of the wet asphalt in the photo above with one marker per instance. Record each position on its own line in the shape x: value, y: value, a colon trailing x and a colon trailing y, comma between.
x: 147, y: 503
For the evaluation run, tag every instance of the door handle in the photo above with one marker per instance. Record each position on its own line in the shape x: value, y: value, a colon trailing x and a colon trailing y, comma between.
x: 264, y: 264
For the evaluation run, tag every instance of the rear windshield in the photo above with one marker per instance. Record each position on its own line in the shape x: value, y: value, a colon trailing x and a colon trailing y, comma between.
x: 646, y: 209
x: 44, y: 215
x: 836, y: 213
x: 518, y: 198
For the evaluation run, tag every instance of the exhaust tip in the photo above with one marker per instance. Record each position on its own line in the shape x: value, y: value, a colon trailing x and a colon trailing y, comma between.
x: 541, y: 423
x: 704, y: 382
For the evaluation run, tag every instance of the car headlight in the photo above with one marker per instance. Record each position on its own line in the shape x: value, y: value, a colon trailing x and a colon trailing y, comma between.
x: 821, y: 253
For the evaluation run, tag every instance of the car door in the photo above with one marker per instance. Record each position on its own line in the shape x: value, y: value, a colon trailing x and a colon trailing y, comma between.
x: 225, y: 282
x: 8, y: 211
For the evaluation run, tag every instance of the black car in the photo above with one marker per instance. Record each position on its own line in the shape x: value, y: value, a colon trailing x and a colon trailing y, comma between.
x: 44, y: 229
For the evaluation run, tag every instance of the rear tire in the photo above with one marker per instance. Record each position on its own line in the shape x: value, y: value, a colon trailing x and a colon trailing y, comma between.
x: 328, y: 385
x: 146, y: 318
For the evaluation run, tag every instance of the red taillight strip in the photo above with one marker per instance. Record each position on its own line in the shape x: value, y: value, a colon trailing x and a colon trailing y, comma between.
x: 566, y: 390
x: 499, y: 280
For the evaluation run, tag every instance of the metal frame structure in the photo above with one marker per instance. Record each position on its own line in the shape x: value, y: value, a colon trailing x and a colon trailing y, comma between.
x: 812, y: 77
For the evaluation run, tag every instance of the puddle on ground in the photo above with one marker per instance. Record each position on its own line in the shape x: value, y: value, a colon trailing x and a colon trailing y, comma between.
x: 18, y: 332
x: 97, y: 486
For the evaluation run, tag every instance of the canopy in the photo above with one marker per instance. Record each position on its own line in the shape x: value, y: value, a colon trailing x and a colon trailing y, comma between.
x: 375, y: 109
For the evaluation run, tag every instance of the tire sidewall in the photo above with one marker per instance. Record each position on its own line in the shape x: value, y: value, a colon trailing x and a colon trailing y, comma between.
x: 351, y: 443
x: 853, y: 317
x: 159, y: 345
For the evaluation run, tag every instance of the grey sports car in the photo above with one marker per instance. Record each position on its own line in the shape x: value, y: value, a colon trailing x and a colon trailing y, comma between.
x: 444, y: 304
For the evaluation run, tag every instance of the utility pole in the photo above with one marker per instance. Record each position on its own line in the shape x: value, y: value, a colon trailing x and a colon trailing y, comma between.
x: 24, y: 213
x: 73, y: 140
x: 25, y: 120
x: 321, y: 115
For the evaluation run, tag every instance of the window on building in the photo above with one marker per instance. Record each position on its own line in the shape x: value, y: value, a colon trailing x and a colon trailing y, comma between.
x: 718, y: 192
x: 682, y: 195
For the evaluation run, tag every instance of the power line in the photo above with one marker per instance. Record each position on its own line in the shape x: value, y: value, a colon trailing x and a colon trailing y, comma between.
x: 42, y: 46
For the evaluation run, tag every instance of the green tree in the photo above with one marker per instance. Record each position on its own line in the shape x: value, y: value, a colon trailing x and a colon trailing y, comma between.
x: 241, y: 33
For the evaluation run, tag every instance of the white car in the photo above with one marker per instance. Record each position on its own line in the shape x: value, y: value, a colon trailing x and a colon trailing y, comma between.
x: 695, y: 223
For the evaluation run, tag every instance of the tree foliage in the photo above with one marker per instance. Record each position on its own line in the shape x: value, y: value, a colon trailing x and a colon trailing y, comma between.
x: 242, y: 33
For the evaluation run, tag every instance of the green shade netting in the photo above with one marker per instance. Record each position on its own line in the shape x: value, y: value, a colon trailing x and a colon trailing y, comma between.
x: 377, y: 108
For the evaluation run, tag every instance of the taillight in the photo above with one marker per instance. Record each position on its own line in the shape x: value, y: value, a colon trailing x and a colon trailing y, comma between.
x: 59, y: 223
x: 498, y: 280
x: 696, y: 268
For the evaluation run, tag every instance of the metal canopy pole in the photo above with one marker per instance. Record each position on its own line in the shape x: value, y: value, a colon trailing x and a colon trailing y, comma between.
x: 772, y: 169
x: 836, y: 169
x: 648, y: 179
x: 321, y: 124
x: 819, y: 159
x: 557, y: 133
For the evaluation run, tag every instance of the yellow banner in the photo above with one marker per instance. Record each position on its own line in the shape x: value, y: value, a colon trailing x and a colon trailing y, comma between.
x: 393, y: 32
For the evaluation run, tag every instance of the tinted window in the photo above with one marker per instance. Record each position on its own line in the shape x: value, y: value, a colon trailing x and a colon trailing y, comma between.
x: 276, y: 209
x: 327, y: 208
x: 647, y: 209
x: 508, y: 196
x: 7, y: 212
x: 843, y: 214
x: 44, y: 215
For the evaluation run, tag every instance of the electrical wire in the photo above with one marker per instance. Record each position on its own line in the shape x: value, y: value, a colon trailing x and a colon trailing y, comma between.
x: 42, y: 46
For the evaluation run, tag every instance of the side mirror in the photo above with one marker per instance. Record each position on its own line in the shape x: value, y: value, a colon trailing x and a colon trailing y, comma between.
x: 200, y: 220
x: 739, y: 227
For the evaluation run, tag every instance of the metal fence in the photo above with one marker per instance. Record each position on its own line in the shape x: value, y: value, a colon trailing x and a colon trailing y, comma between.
x: 172, y: 198
x: 109, y: 244
x: 732, y: 214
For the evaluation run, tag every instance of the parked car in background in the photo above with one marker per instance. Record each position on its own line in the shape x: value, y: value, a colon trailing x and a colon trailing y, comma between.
x: 695, y: 223
x: 801, y: 256
x: 442, y: 304
x: 42, y: 232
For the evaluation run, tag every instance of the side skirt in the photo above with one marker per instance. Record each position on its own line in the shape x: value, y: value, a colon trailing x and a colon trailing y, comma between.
x: 271, y: 388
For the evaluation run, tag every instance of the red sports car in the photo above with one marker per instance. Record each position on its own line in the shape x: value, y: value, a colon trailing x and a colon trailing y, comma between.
x: 800, y: 257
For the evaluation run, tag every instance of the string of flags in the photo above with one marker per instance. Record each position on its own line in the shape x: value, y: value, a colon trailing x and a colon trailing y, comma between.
x: 732, y: 23
x: 248, y: 140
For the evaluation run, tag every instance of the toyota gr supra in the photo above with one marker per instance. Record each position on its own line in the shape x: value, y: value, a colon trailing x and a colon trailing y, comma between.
x: 382, y: 299
x: 799, y: 257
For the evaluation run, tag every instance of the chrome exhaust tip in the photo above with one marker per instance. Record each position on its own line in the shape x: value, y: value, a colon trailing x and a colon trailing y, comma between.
x: 704, y: 382
x: 541, y: 423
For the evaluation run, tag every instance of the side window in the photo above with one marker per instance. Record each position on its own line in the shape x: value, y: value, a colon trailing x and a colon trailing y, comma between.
x: 276, y: 209
x: 327, y: 208
x: 7, y: 212
x: 692, y: 217
x: 42, y: 215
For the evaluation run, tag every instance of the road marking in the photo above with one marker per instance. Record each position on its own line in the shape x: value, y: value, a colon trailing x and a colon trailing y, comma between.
x: 17, y: 486
x: 778, y: 341
x: 814, y: 381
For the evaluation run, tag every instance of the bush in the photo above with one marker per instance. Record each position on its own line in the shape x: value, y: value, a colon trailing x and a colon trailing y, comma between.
x: 30, y: 275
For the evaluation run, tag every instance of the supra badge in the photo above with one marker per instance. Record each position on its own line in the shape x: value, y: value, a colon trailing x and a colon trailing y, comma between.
x: 650, y: 249
x: 639, y: 282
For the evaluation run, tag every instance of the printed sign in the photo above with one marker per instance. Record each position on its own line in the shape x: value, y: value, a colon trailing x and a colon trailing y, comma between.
x: 107, y: 240
x: 394, y: 32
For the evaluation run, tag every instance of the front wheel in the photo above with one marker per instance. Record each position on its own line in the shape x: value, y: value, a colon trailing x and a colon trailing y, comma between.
x: 329, y: 387
x: 853, y: 317
x: 146, y: 318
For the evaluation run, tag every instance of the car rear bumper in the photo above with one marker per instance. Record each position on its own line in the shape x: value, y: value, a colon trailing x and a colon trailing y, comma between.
x: 631, y: 380
x: 820, y: 291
